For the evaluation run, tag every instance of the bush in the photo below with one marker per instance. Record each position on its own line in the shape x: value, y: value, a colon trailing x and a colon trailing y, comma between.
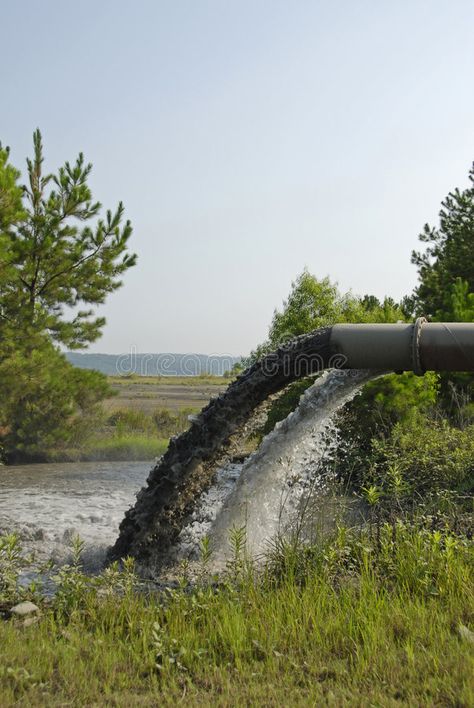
x: 384, y: 402
x: 44, y: 399
x: 169, y: 424
x: 429, y: 456
x: 127, y: 421
x: 162, y: 422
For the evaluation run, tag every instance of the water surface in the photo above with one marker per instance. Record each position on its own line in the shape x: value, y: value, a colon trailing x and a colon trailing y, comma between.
x: 48, y: 504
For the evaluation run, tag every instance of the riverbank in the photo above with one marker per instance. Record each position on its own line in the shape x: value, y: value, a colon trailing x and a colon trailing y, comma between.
x: 137, y: 421
x: 354, y: 621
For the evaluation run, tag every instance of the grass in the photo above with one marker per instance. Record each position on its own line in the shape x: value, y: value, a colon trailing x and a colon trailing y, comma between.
x: 124, y: 435
x: 127, y: 447
x: 349, y: 622
x: 135, y: 424
x: 202, y: 380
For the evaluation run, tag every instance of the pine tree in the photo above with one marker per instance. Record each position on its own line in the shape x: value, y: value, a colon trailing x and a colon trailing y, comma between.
x: 53, y: 260
x: 448, y: 255
x: 56, y: 253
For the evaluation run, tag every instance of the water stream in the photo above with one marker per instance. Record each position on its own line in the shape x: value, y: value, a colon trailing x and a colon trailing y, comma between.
x: 268, y: 493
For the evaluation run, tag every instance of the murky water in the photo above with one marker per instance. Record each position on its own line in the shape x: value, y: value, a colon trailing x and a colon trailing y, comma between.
x: 48, y: 504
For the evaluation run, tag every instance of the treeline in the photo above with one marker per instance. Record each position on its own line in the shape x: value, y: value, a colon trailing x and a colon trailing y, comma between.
x: 163, y: 364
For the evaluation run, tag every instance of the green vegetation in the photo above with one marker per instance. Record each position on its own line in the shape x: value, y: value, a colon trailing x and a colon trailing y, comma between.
x: 379, y: 612
x: 314, y: 303
x: 445, y: 291
x: 53, y: 258
x: 446, y: 267
x: 194, y: 381
x: 55, y: 254
x: 134, y: 427
x: 382, y: 615
x: 123, y: 435
x: 44, y: 401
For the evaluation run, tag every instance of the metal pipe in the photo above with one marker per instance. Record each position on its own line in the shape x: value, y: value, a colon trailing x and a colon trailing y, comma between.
x: 423, y: 346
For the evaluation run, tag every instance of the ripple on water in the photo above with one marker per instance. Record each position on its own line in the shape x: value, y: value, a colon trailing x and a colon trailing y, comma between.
x: 47, y: 505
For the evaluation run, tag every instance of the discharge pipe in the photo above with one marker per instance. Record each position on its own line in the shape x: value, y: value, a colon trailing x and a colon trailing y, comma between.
x: 218, y: 433
x: 419, y: 347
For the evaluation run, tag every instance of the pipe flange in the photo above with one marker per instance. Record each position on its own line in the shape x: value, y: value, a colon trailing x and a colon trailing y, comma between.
x: 417, y: 366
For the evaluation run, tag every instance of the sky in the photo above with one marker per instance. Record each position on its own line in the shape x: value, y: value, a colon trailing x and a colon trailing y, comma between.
x: 248, y: 140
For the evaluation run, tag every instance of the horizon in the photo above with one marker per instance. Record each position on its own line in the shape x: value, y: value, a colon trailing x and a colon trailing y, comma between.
x: 247, y: 142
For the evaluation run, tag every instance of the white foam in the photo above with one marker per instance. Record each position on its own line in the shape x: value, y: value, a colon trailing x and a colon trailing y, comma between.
x: 288, y: 465
x: 49, y: 504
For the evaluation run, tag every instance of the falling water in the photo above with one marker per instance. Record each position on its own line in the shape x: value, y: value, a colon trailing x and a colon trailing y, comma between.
x: 266, y: 493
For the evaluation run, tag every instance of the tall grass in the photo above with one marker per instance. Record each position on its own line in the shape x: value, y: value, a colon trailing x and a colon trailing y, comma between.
x: 124, y: 435
x: 349, y: 622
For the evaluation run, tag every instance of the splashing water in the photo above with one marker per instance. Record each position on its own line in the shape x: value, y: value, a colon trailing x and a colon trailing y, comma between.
x: 266, y: 493
x: 205, y: 514
x: 48, y: 504
x: 190, y: 465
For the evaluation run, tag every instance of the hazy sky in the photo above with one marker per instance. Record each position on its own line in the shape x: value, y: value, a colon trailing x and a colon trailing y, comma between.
x: 248, y: 139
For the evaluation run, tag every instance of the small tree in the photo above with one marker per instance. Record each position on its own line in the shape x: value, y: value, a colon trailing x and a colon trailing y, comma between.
x: 446, y: 279
x: 44, y: 400
x: 11, y: 211
x: 53, y: 259
x: 55, y: 254
x: 449, y: 253
x: 314, y: 303
x: 460, y: 303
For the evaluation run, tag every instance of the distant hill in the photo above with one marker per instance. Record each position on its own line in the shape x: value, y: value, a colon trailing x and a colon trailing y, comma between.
x: 153, y: 364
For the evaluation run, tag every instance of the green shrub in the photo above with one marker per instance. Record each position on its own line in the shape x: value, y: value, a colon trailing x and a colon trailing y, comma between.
x: 162, y: 422
x: 384, y: 402
x: 429, y: 456
x: 44, y: 399
x: 169, y: 424
x: 131, y: 421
